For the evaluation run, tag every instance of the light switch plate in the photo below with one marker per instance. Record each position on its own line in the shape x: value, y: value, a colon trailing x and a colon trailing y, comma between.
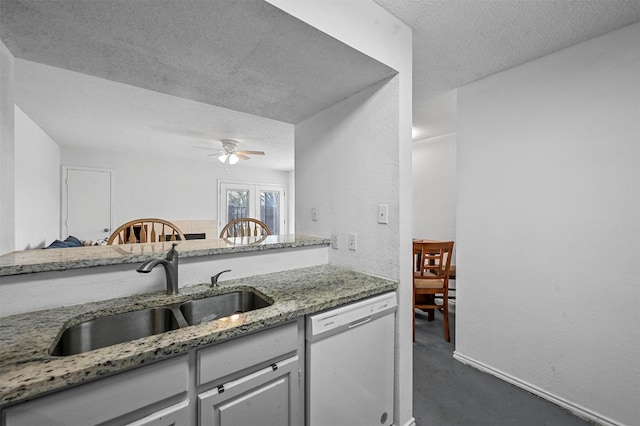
x: 314, y: 213
x: 383, y: 213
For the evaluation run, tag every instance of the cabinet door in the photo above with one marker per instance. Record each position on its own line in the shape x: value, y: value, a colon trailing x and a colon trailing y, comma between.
x: 268, y: 397
x: 105, y: 400
x: 176, y: 415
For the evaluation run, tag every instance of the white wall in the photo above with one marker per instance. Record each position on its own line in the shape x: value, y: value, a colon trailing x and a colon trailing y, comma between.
x: 435, y: 188
x: 37, y: 185
x: 346, y: 191
x: 165, y: 187
x: 7, y: 151
x: 26, y: 292
x: 548, y: 229
x: 367, y: 27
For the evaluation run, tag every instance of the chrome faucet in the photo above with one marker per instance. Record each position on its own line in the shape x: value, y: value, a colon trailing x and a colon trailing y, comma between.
x: 170, y: 264
x: 214, y: 279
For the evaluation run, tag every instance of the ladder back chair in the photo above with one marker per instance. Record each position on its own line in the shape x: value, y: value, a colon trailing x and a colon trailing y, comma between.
x: 431, y: 271
x: 148, y: 230
x: 245, y: 227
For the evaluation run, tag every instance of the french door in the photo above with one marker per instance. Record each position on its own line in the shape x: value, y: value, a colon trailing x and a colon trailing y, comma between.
x: 261, y: 201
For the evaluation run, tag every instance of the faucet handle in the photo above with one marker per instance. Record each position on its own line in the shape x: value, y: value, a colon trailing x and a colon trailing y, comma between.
x: 214, y: 279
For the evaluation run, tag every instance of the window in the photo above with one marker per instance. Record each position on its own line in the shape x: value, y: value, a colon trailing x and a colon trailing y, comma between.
x: 261, y: 201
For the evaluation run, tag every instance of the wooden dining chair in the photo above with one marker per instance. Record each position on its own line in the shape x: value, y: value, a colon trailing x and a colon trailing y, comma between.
x: 431, y: 269
x: 245, y: 227
x: 148, y: 230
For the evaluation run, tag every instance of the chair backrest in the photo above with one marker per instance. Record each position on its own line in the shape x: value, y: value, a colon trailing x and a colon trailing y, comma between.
x: 245, y: 227
x: 148, y: 230
x: 432, y: 259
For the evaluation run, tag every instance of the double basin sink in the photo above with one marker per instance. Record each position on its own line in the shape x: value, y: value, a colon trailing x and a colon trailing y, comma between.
x: 119, y: 328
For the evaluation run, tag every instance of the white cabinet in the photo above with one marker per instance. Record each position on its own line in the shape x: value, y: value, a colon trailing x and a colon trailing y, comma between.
x: 103, y: 401
x: 268, y: 397
x: 172, y: 416
x: 252, y: 381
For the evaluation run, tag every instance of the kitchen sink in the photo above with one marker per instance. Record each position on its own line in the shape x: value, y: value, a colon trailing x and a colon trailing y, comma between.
x: 112, y: 329
x: 200, y: 311
x: 119, y: 328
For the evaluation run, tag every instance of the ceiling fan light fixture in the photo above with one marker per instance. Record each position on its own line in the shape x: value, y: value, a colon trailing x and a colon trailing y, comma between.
x: 233, y: 159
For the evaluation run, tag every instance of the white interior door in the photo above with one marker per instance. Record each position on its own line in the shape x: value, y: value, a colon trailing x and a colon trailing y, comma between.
x: 89, y: 203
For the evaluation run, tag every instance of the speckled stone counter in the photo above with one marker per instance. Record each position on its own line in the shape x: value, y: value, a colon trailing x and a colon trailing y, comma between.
x: 39, y: 260
x: 27, y: 369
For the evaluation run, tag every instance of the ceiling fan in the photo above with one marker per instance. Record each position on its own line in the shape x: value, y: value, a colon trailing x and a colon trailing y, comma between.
x: 229, y: 154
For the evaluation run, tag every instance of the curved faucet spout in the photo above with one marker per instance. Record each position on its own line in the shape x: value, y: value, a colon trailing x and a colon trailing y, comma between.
x: 147, y: 266
x: 170, y: 264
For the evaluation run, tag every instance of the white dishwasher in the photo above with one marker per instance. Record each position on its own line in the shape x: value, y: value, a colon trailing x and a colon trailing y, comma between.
x: 350, y: 364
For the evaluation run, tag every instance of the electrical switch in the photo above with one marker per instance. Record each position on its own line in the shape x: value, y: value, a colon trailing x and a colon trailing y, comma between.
x: 383, y: 213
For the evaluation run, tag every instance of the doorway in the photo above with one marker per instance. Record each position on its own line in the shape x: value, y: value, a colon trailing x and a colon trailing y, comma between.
x: 266, y: 202
x: 87, y: 202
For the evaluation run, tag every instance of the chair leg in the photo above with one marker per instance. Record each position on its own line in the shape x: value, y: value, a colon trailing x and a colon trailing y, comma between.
x: 414, y: 324
x: 431, y: 300
x: 413, y: 314
x: 445, y: 314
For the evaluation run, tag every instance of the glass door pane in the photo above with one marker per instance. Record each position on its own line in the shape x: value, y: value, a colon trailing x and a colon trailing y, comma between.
x: 237, y: 204
x: 270, y: 210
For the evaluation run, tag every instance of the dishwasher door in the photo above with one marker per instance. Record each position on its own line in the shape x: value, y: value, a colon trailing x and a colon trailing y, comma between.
x: 350, y: 364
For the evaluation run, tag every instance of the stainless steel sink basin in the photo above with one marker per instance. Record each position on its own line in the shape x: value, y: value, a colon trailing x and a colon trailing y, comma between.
x: 210, y: 308
x: 113, y: 329
x: 119, y: 328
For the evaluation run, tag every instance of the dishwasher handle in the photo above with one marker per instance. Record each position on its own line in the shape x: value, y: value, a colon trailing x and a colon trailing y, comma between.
x: 360, y: 322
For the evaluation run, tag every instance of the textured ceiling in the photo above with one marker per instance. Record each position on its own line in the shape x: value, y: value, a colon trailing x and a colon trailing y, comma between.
x: 458, y: 41
x: 177, y: 58
x: 86, y: 111
x: 246, y: 56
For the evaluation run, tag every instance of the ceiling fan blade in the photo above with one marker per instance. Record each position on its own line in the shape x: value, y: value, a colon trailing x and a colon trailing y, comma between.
x: 205, y: 147
x: 241, y: 156
x: 250, y: 152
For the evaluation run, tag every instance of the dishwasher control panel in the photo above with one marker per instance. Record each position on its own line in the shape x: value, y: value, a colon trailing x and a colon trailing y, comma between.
x: 351, y: 315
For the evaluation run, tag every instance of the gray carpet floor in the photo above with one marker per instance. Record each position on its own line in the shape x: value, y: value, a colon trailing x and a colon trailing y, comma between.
x: 448, y: 392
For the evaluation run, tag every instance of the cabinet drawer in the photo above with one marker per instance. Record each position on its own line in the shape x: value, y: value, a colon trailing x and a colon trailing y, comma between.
x: 104, y: 399
x: 233, y: 356
x: 177, y: 414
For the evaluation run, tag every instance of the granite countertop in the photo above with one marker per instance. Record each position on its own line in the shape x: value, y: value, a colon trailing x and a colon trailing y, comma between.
x: 39, y: 260
x: 27, y: 369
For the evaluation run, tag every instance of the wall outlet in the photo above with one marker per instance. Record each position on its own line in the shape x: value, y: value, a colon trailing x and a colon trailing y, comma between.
x: 334, y: 241
x: 314, y: 213
x: 351, y: 241
x: 383, y: 213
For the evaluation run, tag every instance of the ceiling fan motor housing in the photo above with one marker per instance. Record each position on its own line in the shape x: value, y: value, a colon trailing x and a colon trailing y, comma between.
x: 229, y: 145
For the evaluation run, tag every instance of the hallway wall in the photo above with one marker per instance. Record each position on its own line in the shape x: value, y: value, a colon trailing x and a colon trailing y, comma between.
x: 548, y: 236
x: 435, y: 187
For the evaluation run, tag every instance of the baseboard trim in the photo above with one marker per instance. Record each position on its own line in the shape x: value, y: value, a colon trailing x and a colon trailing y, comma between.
x: 576, y: 409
